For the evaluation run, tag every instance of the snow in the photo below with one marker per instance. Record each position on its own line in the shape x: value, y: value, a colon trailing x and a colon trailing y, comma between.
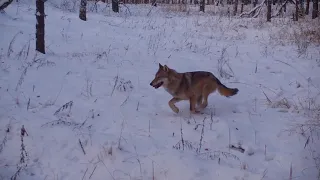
x: 103, y: 67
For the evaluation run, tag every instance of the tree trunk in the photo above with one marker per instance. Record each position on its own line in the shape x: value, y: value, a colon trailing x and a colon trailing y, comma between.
x: 302, y: 7
x: 40, y: 45
x: 154, y: 2
x: 115, y: 5
x: 241, y: 10
x: 202, y: 4
x: 269, y: 10
x: 83, y: 10
x: 315, y: 12
x: 235, y: 7
x: 307, y: 7
x: 296, y: 17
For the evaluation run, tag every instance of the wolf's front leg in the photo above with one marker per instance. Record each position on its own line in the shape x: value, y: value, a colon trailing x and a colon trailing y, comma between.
x: 193, y: 102
x: 172, y: 104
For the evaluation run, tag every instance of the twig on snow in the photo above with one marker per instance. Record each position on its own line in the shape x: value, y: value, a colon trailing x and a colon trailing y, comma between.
x: 240, y: 149
x: 84, y: 174
x: 115, y: 84
x: 202, y: 134
x: 82, y: 147
x: 92, y: 172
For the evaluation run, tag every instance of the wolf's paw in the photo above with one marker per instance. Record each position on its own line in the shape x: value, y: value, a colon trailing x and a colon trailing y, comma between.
x: 203, y: 106
x: 175, y: 109
x: 195, y: 111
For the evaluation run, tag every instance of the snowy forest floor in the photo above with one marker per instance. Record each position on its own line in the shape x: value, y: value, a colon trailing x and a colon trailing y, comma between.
x: 89, y: 112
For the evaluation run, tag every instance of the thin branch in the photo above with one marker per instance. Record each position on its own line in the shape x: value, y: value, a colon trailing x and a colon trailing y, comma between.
x: 82, y: 147
x: 253, y: 10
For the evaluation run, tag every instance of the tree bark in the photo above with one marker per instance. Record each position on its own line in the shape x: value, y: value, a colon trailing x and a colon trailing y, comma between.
x: 83, y: 10
x: 315, y: 10
x: 269, y: 10
x: 302, y: 7
x: 40, y: 43
x: 296, y: 17
x: 241, y: 10
x: 255, y: 2
x: 235, y: 7
x: 154, y: 2
x: 307, y: 7
x: 115, y: 5
x: 202, y: 4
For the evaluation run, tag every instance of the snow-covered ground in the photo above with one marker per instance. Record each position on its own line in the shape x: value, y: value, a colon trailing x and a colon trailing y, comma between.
x: 91, y: 89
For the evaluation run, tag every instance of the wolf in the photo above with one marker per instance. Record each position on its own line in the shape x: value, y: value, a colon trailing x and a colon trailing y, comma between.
x: 194, y: 86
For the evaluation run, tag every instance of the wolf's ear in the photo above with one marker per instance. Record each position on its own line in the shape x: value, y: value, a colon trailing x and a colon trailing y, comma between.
x: 160, y: 66
x: 165, y: 68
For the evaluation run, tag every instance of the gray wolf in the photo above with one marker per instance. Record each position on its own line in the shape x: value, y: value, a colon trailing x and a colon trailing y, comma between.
x: 194, y: 86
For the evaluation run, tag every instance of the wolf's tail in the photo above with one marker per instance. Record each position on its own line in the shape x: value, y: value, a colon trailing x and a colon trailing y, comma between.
x: 225, y: 91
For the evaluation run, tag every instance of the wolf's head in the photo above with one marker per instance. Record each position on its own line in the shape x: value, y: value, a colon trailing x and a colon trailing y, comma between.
x: 161, y: 77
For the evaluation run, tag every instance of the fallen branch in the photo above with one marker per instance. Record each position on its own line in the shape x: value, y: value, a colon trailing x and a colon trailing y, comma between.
x: 240, y: 149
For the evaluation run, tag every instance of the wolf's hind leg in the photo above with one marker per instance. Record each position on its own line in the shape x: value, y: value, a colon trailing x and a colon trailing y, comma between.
x: 172, y: 104
x: 199, y: 100
x: 205, y: 94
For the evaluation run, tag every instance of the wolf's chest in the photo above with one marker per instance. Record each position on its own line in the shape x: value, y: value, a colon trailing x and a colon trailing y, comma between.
x: 170, y: 91
x: 177, y: 94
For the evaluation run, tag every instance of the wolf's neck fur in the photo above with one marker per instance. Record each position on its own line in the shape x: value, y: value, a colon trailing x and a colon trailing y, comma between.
x: 174, y: 81
x: 174, y: 77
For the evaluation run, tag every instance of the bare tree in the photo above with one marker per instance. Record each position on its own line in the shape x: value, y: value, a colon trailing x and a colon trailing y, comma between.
x: 315, y: 9
x: 302, y: 7
x: 83, y: 10
x: 307, y: 7
x: 296, y: 16
x: 202, y: 4
x: 268, y: 10
x: 115, y: 5
x: 235, y: 7
x: 154, y: 2
x: 241, y: 9
x: 40, y: 45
